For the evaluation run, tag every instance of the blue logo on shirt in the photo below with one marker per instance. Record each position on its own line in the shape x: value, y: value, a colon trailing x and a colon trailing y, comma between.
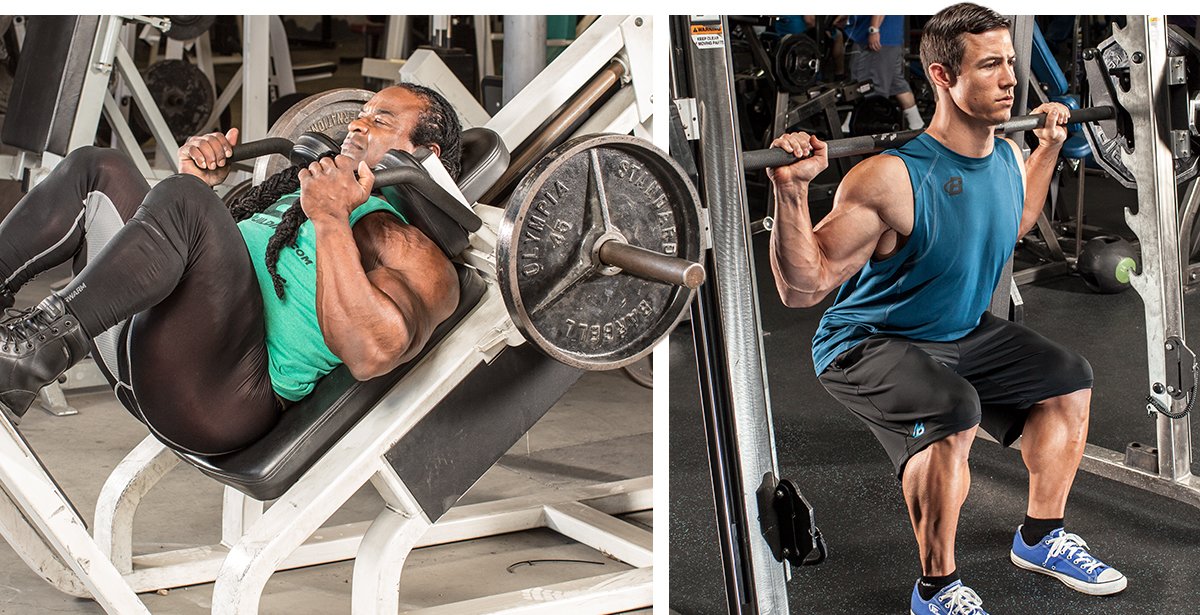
x: 918, y: 429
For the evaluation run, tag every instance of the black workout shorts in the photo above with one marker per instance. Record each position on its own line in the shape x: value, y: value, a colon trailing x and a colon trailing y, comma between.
x: 912, y: 393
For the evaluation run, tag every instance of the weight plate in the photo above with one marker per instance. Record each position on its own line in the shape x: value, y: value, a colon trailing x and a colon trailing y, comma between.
x: 875, y: 115
x: 641, y: 372
x: 328, y: 112
x: 1108, y: 72
x: 188, y: 27
x: 797, y: 63
x: 575, y: 309
x: 237, y: 192
x: 182, y: 93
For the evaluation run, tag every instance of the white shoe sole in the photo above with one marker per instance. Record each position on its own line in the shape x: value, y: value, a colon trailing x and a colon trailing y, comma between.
x: 1092, y: 589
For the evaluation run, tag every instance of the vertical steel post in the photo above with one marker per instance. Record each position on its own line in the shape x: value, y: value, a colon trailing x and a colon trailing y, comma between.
x: 1156, y: 224
x: 728, y: 333
x: 524, y: 52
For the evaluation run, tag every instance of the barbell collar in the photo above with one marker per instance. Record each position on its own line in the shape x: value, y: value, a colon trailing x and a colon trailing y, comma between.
x: 651, y: 265
x: 755, y: 160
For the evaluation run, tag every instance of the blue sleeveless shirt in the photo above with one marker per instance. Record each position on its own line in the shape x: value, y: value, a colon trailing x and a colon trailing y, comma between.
x: 938, y: 285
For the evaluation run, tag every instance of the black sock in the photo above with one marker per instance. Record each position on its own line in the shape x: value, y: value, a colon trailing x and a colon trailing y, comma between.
x: 929, y: 586
x: 1034, y: 530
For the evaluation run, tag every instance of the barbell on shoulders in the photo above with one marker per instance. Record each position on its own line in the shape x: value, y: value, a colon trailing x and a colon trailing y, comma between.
x: 754, y: 160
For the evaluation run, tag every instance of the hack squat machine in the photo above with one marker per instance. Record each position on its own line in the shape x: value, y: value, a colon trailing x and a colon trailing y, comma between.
x: 576, y: 243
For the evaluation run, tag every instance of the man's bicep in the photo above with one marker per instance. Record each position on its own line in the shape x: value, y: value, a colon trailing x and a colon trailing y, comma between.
x: 850, y: 233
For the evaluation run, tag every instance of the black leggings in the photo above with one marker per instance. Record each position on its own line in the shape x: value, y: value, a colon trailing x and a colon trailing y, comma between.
x: 164, y: 287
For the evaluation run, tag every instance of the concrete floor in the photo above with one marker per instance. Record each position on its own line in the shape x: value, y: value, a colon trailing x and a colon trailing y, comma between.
x: 600, y: 431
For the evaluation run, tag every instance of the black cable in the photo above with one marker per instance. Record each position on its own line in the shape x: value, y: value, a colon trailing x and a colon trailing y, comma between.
x: 1191, y: 398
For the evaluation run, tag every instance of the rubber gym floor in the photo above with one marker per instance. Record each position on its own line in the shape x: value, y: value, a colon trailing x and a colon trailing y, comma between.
x: 840, y: 467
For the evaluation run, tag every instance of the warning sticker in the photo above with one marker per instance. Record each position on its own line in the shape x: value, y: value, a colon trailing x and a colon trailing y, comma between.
x: 707, y: 36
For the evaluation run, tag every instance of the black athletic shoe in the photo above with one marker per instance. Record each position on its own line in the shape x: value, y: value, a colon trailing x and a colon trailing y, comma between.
x: 36, y: 347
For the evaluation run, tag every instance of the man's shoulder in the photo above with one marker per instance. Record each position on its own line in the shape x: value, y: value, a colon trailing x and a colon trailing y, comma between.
x: 880, y: 182
x: 884, y: 171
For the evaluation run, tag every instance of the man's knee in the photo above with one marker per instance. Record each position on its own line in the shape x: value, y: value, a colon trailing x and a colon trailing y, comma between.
x: 183, y: 194
x: 958, y: 404
x: 96, y: 161
x: 1074, y: 369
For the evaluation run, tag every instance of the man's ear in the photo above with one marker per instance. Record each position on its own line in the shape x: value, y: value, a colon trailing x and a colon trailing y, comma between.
x: 939, y: 75
x: 435, y: 148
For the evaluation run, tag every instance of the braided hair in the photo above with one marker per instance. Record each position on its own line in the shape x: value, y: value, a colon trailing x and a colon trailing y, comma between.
x: 437, y: 124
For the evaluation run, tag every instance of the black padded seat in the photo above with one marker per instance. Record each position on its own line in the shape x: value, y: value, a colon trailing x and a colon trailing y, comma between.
x: 49, y: 82
x: 485, y: 159
x: 269, y: 467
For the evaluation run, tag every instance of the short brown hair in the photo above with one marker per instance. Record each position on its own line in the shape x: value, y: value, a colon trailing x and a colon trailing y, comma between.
x: 942, y: 41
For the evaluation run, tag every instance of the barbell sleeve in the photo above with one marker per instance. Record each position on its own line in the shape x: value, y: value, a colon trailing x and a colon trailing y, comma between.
x: 651, y: 265
x: 755, y: 160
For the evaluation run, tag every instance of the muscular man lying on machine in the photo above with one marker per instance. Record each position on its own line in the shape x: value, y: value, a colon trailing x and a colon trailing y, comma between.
x: 917, y: 239
x: 207, y: 321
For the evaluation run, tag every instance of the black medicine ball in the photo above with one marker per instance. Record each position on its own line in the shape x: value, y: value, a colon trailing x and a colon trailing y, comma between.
x: 1106, y: 263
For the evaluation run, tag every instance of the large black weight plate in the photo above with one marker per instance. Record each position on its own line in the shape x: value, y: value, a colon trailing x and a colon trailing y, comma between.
x: 237, y: 192
x: 188, y: 27
x: 329, y: 112
x: 1107, y: 72
x: 563, y: 301
x: 797, y: 63
x: 875, y: 115
x: 184, y: 95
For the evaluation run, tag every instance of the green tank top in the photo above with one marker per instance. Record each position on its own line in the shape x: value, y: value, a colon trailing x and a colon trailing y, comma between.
x: 296, y: 348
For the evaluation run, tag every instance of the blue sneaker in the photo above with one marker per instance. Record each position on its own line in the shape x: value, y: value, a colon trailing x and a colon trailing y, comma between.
x: 953, y: 599
x: 1064, y: 556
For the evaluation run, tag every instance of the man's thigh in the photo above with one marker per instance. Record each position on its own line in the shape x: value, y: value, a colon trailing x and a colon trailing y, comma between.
x: 1013, y: 367
x: 908, y: 398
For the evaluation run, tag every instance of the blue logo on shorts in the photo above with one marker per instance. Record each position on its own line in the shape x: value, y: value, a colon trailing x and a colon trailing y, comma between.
x: 918, y: 429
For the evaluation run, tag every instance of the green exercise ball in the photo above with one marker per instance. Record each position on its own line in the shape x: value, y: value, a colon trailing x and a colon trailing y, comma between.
x: 1106, y: 264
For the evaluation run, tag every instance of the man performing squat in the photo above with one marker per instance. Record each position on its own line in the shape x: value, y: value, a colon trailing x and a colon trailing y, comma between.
x: 916, y: 241
x: 209, y: 324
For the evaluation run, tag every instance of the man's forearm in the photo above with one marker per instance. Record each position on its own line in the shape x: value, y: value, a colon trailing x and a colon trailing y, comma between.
x: 1039, y: 169
x: 795, y: 254
x: 361, y: 323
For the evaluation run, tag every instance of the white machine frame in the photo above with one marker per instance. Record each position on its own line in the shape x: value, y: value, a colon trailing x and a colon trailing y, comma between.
x: 40, y: 523
x: 110, y: 53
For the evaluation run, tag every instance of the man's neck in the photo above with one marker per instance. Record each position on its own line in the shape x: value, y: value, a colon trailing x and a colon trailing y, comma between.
x: 961, y: 133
